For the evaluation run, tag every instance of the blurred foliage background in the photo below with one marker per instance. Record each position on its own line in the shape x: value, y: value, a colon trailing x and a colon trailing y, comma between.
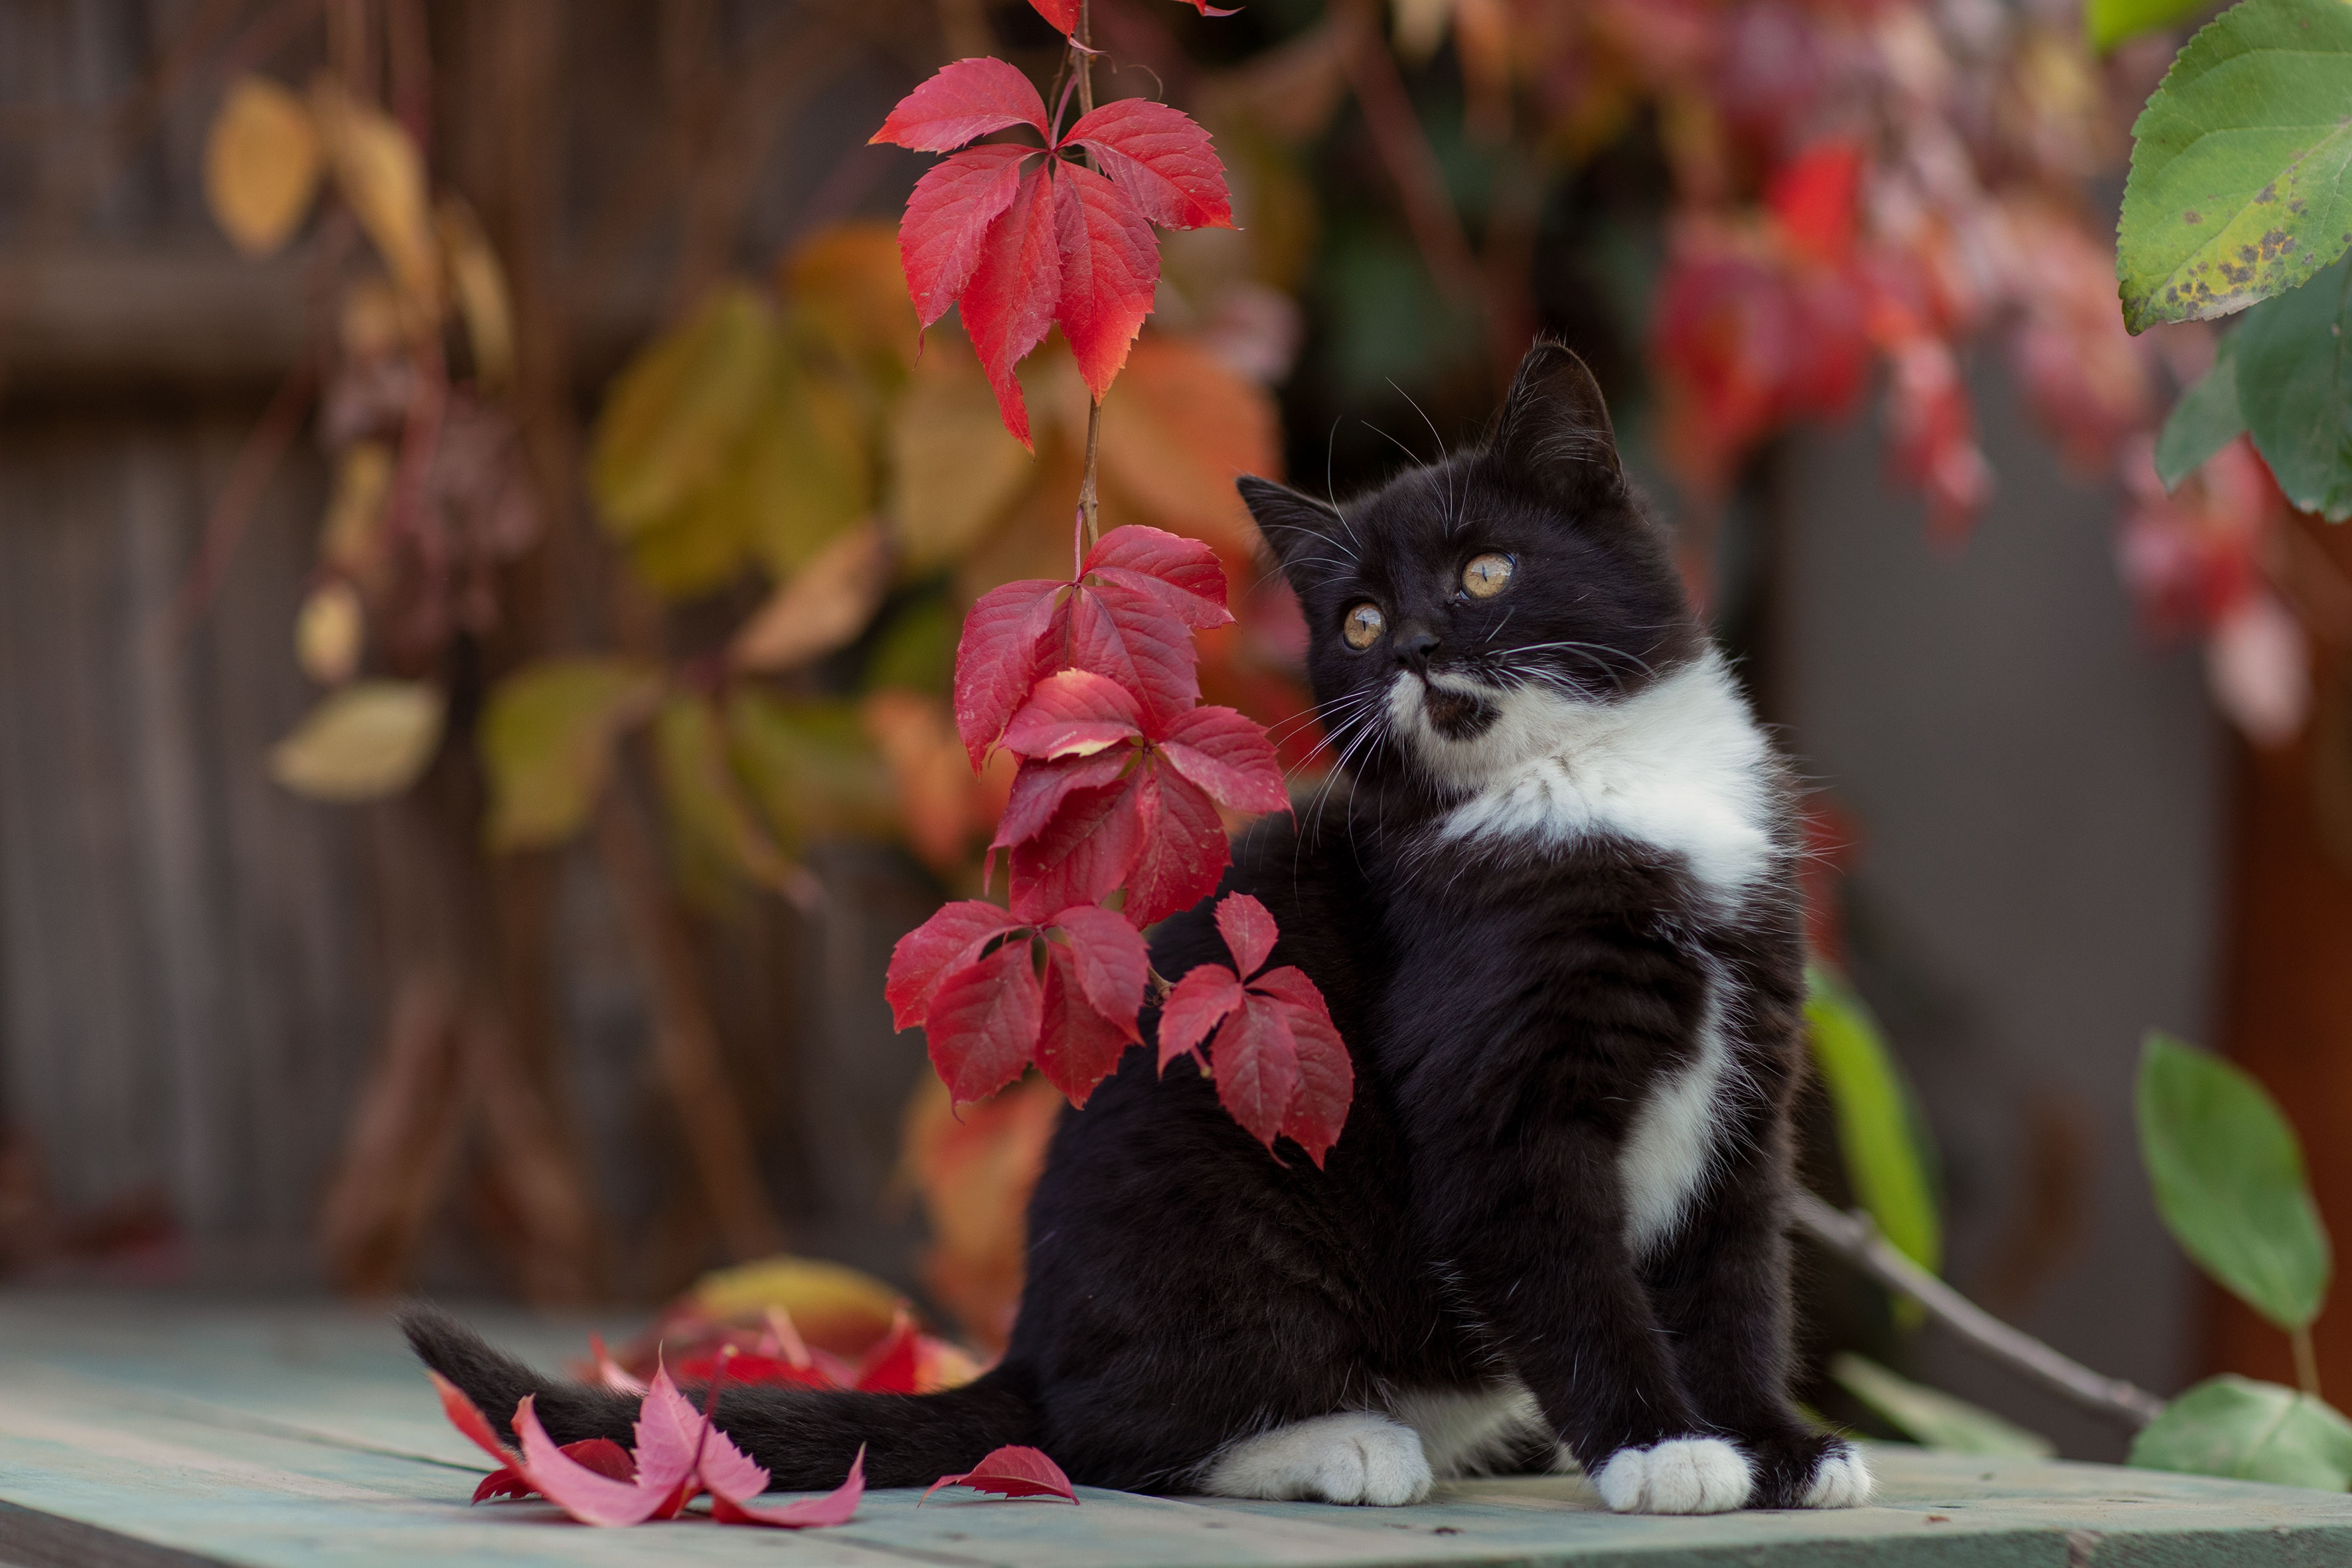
x: 483, y: 544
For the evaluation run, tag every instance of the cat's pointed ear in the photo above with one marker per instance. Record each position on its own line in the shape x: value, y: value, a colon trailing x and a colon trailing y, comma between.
x: 1298, y: 528
x: 1553, y: 436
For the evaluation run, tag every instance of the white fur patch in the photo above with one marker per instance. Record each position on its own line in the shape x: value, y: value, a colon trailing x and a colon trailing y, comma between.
x: 1683, y: 1475
x: 1358, y: 1457
x: 1840, y: 1481
x: 1680, y: 766
x: 1467, y: 1432
x: 1667, y: 1155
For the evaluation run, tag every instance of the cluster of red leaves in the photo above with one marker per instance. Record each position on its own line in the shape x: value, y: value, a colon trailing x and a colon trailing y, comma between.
x: 1092, y: 683
x: 679, y: 1455
x: 1280, y: 1065
x: 778, y: 1356
x: 1024, y: 238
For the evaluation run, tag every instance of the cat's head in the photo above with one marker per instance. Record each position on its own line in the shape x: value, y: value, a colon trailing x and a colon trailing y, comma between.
x: 1463, y: 612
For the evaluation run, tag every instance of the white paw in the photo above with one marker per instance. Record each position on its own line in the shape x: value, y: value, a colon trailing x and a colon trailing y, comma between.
x: 1683, y: 1475
x: 1355, y: 1459
x: 1840, y: 1480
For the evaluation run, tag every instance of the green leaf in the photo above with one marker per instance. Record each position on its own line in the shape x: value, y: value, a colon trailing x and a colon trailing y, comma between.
x: 2229, y: 1180
x: 810, y: 767
x: 2250, y: 1431
x: 547, y: 738
x: 1933, y: 1418
x: 2111, y: 22
x: 2295, y: 383
x: 2206, y: 419
x: 2239, y: 187
x: 370, y: 740
x: 915, y: 651
x: 675, y: 414
x: 710, y: 821
x: 1876, y: 1127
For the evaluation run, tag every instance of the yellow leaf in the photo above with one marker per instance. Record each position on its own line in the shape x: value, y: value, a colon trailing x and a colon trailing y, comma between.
x: 328, y: 630
x: 956, y: 467
x: 481, y: 285
x: 806, y: 472
x: 1179, y: 430
x: 547, y: 739
x: 830, y: 1303
x: 381, y: 176
x: 371, y: 740
x: 675, y: 414
x: 695, y: 549
x: 825, y: 605
x: 369, y: 320
x: 347, y: 539
x: 261, y: 166
x: 707, y: 810
x: 849, y: 278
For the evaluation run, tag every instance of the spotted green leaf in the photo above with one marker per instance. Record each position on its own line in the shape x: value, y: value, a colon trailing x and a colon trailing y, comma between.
x: 2238, y: 186
x: 2229, y: 1180
x: 2253, y: 1432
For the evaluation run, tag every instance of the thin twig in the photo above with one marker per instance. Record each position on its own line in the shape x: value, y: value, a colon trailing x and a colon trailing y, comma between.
x: 1853, y: 1238
x: 1082, y: 56
x: 257, y: 461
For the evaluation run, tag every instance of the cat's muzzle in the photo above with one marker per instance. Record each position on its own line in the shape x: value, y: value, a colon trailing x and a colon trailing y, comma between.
x: 1456, y: 710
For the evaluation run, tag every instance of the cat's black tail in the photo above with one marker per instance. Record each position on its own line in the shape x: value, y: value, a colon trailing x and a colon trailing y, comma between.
x: 805, y: 1436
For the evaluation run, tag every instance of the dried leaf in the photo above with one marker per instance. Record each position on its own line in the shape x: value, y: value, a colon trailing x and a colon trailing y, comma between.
x: 957, y: 470
x: 481, y: 285
x: 939, y: 804
x: 370, y: 740
x: 1012, y: 1472
x: 261, y: 166
x: 848, y: 278
x: 1182, y: 428
x: 547, y: 739
x: 806, y: 467
x: 347, y: 539
x: 825, y: 607
x: 328, y: 630
x: 673, y: 417
x: 383, y: 179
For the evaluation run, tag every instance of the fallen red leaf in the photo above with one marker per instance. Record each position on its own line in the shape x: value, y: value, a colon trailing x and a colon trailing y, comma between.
x: 601, y: 1455
x: 838, y: 1506
x: 892, y: 1365
x: 1011, y: 1472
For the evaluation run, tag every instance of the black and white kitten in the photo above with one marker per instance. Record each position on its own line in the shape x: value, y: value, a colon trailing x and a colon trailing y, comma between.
x: 1550, y: 902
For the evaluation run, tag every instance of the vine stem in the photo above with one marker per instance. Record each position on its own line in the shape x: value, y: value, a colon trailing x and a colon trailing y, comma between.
x: 1082, y: 54
x: 1856, y: 1238
x: 2306, y: 1361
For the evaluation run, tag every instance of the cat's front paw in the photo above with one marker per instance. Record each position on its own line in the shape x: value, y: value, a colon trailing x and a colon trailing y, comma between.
x: 1841, y: 1479
x: 1351, y: 1459
x: 1682, y: 1474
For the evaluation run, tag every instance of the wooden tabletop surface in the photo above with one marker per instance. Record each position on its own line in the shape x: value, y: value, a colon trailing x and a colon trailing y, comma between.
x: 161, y: 1432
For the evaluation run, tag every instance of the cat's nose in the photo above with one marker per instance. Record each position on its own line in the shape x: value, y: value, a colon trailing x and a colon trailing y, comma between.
x: 1414, y: 649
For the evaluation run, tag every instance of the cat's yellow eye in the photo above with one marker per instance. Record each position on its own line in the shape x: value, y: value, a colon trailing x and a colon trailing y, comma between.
x: 1363, y: 626
x: 1488, y: 576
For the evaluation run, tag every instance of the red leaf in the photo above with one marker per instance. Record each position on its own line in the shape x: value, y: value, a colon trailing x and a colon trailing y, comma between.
x: 948, y: 941
x: 1249, y: 932
x: 1111, y: 962
x: 998, y: 659
x: 1327, y: 1077
x: 1162, y: 159
x: 1081, y: 855
x: 983, y: 1022
x: 948, y: 218
x: 766, y: 1370
x: 1229, y: 756
x: 892, y: 1366
x: 1012, y: 1472
x: 1109, y: 266
x: 1073, y: 713
x: 465, y: 1416
x: 1196, y: 1004
x: 838, y: 1506
x: 1078, y: 1048
x: 1063, y: 13
x: 1009, y: 303
x: 1815, y: 196
x: 587, y: 1495
x: 601, y: 1455
x: 1183, y: 850
x: 963, y: 100
x: 1256, y: 1064
x: 1128, y: 635
x: 1039, y: 789
x: 1182, y: 573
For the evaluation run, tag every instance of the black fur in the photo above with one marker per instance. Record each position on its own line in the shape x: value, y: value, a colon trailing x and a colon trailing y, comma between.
x: 1508, y: 1016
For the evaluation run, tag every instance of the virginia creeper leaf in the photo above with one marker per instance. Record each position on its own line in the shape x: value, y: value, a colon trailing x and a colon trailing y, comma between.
x: 1249, y: 932
x: 998, y: 659
x: 1109, y: 960
x: 1109, y: 266
x: 1196, y: 1004
x: 963, y: 100
x: 1073, y: 713
x: 1182, y: 851
x: 894, y: 1363
x: 1009, y: 304
x: 1081, y: 855
x: 1063, y: 14
x: 1039, y: 789
x: 467, y: 1418
x: 1126, y: 634
x: 1184, y: 573
x: 585, y: 1494
x: 1162, y: 159
x: 948, y: 217
x: 838, y: 1506
x: 924, y: 956
x: 1076, y: 1046
x: 1256, y: 1064
x: 984, y: 1021
x: 601, y: 1455
x: 1227, y: 755
x: 1012, y: 1472
x: 1327, y: 1076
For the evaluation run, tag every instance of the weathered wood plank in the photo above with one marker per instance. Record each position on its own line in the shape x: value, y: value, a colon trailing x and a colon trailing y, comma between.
x: 182, y: 1433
